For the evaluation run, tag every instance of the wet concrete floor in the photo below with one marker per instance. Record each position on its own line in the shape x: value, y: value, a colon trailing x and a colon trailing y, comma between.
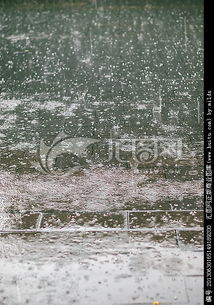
x: 101, y: 147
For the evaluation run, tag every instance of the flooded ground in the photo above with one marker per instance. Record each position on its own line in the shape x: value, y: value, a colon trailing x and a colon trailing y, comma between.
x: 101, y: 145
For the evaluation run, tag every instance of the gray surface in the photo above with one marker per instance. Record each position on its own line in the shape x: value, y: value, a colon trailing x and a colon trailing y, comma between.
x: 115, y: 231
x: 89, y: 268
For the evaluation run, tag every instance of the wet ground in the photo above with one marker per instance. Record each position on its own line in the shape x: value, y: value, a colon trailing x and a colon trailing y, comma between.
x: 101, y: 152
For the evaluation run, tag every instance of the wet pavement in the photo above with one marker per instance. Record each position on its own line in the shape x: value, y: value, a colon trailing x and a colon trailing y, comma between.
x: 107, y: 267
x: 101, y: 171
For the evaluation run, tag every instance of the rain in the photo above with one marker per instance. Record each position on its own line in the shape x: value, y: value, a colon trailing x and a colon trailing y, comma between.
x: 101, y: 152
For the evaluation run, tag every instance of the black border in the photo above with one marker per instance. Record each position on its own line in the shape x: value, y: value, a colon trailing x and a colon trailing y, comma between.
x: 208, y: 154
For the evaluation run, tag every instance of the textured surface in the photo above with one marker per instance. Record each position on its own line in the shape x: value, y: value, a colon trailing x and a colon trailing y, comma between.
x: 101, y: 152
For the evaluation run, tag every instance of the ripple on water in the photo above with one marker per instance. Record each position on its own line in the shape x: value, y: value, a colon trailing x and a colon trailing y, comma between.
x: 93, y: 189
